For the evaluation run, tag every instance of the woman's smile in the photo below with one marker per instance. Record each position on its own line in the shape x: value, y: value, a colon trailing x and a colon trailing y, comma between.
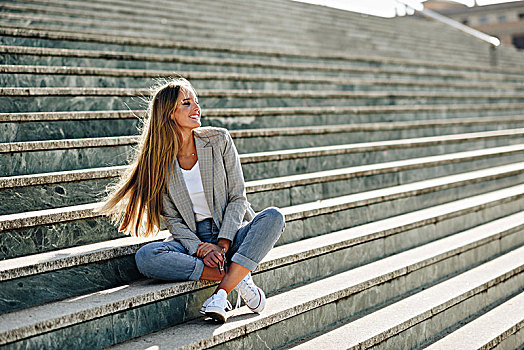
x: 187, y: 112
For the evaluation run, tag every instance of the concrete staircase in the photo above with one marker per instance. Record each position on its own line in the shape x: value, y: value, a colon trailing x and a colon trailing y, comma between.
x: 394, y: 150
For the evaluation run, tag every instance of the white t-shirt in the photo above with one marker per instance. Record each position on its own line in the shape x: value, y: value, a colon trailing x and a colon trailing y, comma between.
x: 193, y: 181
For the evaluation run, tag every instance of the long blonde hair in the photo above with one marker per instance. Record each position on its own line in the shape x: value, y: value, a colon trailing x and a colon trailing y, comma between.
x: 135, y: 203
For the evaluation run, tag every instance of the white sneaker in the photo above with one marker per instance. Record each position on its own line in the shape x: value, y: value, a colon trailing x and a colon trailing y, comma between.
x: 206, y: 303
x: 217, y: 305
x: 253, y: 297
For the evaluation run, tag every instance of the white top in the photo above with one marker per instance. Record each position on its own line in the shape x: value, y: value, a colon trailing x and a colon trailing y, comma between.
x: 193, y: 181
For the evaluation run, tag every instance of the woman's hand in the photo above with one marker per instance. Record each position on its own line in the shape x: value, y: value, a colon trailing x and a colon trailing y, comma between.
x: 205, y: 248
x: 213, y: 259
x: 210, y: 253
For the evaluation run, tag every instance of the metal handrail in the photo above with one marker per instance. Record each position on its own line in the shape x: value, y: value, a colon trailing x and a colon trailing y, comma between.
x: 493, y: 41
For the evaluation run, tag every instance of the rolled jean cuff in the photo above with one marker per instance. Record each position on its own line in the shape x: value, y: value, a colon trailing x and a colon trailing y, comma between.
x: 246, y: 262
x: 197, y: 272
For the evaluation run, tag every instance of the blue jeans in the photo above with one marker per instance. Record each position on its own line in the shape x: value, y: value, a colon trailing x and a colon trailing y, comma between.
x: 170, y: 261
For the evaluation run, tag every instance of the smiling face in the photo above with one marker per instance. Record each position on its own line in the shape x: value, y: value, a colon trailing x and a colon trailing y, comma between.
x: 187, y: 112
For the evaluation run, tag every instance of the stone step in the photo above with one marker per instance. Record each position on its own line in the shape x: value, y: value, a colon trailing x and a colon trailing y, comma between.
x: 82, y: 99
x: 432, y: 54
x: 299, y: 312
x: 283, y: 37
x: 249, y: 32
x: 23, y: 158
x: 40, y: 126
x: 299, y: 47
x: 351, y: 67
x: 68, y: 188
x: 23, y: 127
x: 55, y: 76
x: 415, y: 320
x: 66, y: 12
x: 248, y: 140
x: 99, y: 308
x: 51, y: 229
x: 26, y: 279
x: 131, y: 49
x: 253, y: 37
x: 499, y: 328
x: 234, y: 118
x: 213, y: 15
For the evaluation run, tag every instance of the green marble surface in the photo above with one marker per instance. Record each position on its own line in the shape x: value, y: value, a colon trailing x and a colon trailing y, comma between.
x: 273, y: 143
x: 182, y: 68
x: 66, y: 129
x: 87, y: 335
x: 67, y: 80
x: 43, y: 238
x: 64, y: 159
x: 89, y: 45
x: 71, y: 129
x: 20, y: 163
x: 276, y: 121
x: 30, y: 198
x: 365, y: 301
x: 268, y: 169
x: 10, y: 104
x: 39, y: 197
x: 93, y: 103
x: 64, y: 283
x: 86, y: 45
x: 145, y: 319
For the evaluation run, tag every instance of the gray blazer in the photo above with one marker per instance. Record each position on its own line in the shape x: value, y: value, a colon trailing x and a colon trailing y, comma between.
x: 224, y: 190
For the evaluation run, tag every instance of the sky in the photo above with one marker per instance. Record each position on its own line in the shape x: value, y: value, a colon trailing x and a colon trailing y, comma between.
x: 385, y: 8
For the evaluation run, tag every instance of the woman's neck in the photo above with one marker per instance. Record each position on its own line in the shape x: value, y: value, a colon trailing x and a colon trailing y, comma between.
x: 188, y: 145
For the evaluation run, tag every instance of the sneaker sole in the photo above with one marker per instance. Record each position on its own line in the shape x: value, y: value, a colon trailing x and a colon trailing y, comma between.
x: 216, y: 313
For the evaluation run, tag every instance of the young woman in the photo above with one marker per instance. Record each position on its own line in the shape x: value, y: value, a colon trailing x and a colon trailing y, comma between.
x: 191, y: 176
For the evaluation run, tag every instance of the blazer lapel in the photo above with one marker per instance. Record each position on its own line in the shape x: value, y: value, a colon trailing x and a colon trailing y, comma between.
x: 180, y: 195
x: 205, y: 161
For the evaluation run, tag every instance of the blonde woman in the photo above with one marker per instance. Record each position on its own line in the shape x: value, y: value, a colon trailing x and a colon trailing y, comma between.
x: 192, y: 178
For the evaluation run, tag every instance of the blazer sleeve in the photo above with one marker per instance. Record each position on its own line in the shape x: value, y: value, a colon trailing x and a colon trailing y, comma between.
x: 236, y: 191
x: 177, y: 227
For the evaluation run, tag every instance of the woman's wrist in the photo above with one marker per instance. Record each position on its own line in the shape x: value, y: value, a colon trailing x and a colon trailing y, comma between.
x: 224, y: 244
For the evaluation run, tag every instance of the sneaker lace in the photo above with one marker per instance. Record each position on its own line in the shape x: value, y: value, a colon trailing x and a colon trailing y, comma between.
x: 237, y: 305
x: 228, y: 306
x: 251, y: 290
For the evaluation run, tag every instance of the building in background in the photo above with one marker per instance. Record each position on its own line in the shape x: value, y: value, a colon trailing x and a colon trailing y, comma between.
x: 505, y: 21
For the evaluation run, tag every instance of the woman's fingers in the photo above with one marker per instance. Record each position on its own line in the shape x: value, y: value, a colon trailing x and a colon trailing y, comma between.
x: 213, y: 259
x: 203, y: 249
x: 209, y: 261
x: 218, y: 255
